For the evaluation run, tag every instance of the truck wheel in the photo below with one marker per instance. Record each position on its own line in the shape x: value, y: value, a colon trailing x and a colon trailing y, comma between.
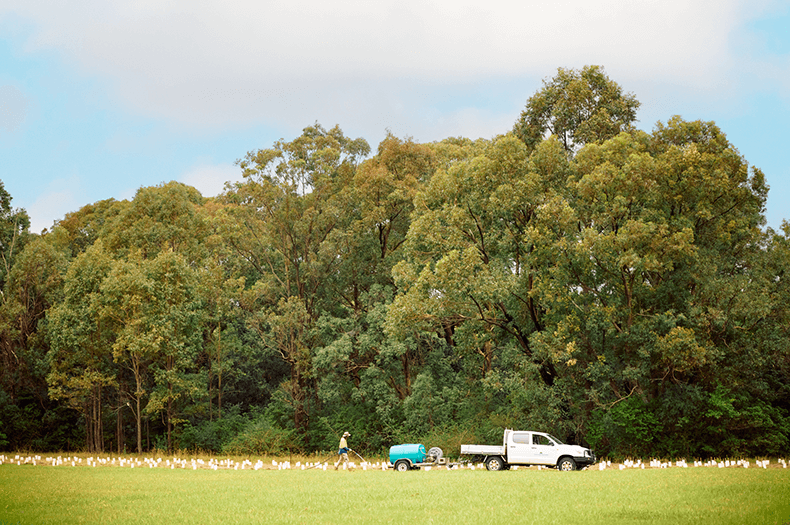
x: 567, y: 464
x: 495, y: 463
x: 402, y: 465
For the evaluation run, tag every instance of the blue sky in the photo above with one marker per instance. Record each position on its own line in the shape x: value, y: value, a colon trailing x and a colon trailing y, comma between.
x: 100, y: 98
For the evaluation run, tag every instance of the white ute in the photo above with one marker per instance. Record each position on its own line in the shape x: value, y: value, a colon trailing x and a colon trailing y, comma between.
x: 525, y: 447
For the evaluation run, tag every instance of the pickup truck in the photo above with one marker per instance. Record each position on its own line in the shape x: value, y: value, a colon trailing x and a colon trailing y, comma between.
x: 526, y: 447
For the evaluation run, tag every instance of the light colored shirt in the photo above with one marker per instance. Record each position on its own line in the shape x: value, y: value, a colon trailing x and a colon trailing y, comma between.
x: 343, y: 443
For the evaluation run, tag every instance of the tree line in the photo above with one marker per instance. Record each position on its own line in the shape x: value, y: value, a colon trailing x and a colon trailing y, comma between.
x: 576, y: 275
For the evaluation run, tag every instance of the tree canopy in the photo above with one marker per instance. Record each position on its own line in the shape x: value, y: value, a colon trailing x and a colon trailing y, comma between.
x: 614, y: 287
x: 578, y: 107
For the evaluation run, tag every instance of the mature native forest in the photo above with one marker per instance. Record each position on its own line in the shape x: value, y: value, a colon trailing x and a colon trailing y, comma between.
x: 575, y: 275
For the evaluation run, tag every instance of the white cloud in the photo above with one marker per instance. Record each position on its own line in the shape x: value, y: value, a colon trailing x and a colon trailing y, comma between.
x: 212, y: 64
x: 210, y: 180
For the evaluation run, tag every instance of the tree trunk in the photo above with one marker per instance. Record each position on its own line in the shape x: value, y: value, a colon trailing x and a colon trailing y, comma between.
x: 219, y: 372
x: 169, y: 424
x: 119, y: 423
x: 139, y: 426
x: 210, y: 391
x: 88, y: 424
x: 97, y: 428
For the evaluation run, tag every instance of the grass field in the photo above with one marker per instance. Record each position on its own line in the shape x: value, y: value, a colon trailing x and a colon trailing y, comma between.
x: 66, y: 494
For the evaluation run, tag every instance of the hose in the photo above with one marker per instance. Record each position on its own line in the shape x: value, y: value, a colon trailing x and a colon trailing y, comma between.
x: 360, y: 457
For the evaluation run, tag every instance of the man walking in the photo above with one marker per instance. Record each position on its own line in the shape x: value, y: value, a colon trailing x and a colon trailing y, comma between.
x: 343, y: 451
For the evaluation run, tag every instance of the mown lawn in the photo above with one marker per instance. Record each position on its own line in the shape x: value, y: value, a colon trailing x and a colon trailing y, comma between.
x: 65, y: 494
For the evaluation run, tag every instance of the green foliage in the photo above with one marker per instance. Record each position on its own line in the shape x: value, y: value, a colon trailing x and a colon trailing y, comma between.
x: 27, y: 425
x: 627, y: 429
x: 165, y: 217
x: 736, y: 422
x: 260, y: 437
x: 212, y: 435
x: 577, y: 276
x: 87, y: 225
x: 578, y: 107
x: 14, y: 234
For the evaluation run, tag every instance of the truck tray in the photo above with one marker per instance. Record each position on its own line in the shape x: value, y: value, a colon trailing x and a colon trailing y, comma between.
x: 482, y: 450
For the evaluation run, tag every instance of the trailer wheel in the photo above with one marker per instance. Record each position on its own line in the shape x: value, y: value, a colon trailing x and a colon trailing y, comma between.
x: 402, y: 465
x: 566, y: 464
x: 495, y: 463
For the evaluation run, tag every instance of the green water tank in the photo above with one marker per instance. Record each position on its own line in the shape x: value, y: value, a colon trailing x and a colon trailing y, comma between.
x: 413, y: 452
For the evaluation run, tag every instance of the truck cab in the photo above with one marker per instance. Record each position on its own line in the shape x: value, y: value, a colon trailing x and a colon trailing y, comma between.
x: 527, y: 447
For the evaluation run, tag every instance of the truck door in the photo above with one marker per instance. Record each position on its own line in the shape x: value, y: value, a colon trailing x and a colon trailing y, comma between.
x: 519, y: 447
x: 544, y: 450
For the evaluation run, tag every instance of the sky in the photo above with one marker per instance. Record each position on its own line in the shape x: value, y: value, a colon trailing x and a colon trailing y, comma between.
x: 99, y: 98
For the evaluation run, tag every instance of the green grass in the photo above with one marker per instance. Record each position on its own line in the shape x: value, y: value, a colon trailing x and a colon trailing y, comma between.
x: 108, y: 495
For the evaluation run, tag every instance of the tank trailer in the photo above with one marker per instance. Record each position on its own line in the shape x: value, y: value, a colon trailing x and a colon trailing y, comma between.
x: 413, y: 456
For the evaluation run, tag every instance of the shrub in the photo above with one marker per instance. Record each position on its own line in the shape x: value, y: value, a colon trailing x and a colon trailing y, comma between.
x: 211, y: 436
x: 260, y: 437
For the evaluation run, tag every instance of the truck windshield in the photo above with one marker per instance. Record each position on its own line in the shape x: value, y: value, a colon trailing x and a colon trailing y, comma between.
x: 557, y: 441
